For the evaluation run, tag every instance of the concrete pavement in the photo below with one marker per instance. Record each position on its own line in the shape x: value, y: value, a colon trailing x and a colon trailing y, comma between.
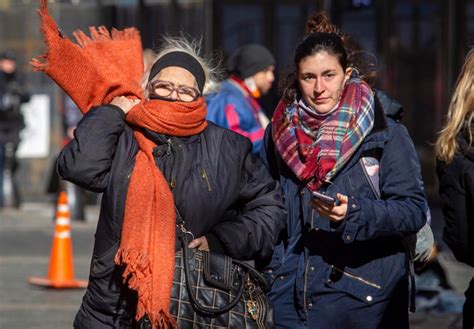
x: 25, y: 244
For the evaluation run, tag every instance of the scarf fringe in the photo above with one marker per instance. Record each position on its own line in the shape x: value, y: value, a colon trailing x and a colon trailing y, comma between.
x: 137, y: 267
x: 40, y: 63
x: 102, y: 34
x: 163, y: 320
x: 137, y: 273
x: 52, y: 33
x: 47, y: 24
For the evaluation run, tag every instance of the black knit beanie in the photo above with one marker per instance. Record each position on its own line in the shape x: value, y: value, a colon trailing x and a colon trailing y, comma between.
x: 249, y: 59
x: 181, y: 59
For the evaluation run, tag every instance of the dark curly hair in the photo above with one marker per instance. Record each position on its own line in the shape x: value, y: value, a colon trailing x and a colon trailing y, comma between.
x: 321, y: 35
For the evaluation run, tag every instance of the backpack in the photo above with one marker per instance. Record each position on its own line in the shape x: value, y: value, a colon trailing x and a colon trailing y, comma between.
x: 418, y: 246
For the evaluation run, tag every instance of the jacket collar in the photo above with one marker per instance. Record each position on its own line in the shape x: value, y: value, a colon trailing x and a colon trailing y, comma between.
x: 160, y: 139
x: 390, y: 107
x: 462, y: 139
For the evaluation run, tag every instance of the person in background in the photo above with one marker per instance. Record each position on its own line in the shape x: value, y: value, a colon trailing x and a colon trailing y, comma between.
x: 71, y: 117
x: 341, y: 262
x: 13, y: 93
x: 455, y: 170
x: 236, y: 105
x: 76, y: 195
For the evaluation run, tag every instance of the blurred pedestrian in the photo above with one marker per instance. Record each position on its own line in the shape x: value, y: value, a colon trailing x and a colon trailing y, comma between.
x: 455, y: 169
x: 236, y: 105
x: 71, y: 117
x: 77, y: 196
x: 13, y: 93
x: 341, y: 262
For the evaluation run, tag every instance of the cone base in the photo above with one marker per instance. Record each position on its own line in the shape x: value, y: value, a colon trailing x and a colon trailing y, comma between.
x: 70, y: 284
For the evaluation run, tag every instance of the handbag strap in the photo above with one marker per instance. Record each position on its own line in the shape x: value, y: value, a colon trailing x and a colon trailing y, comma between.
x: 198, y: 306
x: 256, y: 275
x: 250, y: 270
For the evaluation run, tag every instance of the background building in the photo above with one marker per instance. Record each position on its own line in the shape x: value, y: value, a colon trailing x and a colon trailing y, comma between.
x: 419, y: 46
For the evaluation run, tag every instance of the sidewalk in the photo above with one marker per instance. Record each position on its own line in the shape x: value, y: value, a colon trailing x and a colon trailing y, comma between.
x: 25, y: 243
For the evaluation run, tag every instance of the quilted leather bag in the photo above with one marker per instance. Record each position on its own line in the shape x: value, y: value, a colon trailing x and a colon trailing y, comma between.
x: 211, y: 290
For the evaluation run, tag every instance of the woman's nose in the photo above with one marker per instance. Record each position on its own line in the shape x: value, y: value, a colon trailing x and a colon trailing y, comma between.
x: 318, y: 86
x: 174, y: 95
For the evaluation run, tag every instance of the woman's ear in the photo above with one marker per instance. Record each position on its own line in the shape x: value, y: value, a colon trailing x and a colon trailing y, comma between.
x: 347, y: 74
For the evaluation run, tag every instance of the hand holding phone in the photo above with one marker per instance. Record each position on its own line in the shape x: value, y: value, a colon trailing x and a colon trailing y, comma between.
x: 334, y: 209
x: 324, y: 198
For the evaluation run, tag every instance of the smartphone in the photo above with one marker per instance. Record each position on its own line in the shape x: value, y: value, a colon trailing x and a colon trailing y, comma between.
x: 324, y: 198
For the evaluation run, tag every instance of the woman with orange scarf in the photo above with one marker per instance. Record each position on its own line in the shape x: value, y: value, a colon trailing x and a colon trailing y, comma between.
x: 155, y: 157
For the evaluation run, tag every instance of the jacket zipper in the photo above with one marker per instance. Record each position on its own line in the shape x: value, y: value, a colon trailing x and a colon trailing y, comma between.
x: 352, y: 276
x: 168, y: 151
x: 206, y: 178
x: 305, y: 301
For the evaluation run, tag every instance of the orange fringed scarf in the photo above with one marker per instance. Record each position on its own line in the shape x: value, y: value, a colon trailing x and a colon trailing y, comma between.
x: 148, y: 234
x: 93, y: 73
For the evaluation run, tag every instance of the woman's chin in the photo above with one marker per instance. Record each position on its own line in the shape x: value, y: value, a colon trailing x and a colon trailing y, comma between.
x: 322, y: 109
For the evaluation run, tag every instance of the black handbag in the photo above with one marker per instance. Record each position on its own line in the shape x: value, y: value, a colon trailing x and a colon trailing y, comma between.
x: 211, y: 290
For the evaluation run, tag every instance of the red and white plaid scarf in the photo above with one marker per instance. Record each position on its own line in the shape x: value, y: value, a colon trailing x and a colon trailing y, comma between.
x: 316, y: 146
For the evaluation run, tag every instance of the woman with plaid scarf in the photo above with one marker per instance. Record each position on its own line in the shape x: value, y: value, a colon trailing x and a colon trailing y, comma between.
x: 340, y: 262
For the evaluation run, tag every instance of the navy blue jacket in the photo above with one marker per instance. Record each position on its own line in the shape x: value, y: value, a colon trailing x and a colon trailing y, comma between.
x: 362, y: 256
x: 221, y: 190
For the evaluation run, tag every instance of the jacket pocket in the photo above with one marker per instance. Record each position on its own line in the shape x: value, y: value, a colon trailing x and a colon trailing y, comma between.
x: 202, y: 184
x: 366, y: 289
x: 105, y: 282
x: 337, y: 271
x: 103, y: 265
x: 208, y: 181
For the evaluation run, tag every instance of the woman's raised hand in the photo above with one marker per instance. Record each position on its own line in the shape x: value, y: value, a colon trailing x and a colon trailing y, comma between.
x: 334, y: 212
x: 124, y: 103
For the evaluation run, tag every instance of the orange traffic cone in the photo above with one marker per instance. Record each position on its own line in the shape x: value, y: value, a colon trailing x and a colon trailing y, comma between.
x: 61, y: 267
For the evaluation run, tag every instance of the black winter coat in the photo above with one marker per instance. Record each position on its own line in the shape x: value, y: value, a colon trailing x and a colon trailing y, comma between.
x: 456, y: 188
x: 220, y: 189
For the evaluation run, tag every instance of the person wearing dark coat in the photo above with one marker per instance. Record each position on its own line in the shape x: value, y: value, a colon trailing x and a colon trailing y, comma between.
x: 455, y: 170
x: 340, y: 262
x: 13, y: 93
x: 224, y: 194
